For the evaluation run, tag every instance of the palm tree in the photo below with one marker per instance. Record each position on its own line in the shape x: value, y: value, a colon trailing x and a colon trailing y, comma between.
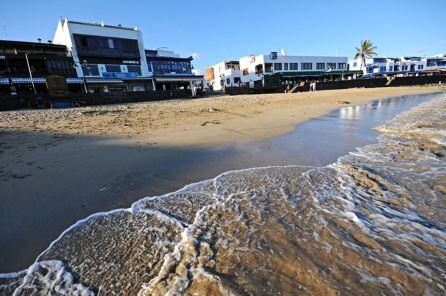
x: 366, y: 50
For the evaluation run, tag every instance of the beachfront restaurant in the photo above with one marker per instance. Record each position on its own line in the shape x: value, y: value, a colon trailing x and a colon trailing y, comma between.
x: 170, y: 71
x: 24, y: 67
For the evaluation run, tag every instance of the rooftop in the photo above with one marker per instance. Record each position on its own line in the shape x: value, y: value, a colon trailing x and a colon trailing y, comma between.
x: 42, y: 45
x: 99, y: 25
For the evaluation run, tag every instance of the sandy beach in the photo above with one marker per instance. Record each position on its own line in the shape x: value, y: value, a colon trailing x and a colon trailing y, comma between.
x: 197, y: 122
x: 68, y: 163
x: 369, y: 223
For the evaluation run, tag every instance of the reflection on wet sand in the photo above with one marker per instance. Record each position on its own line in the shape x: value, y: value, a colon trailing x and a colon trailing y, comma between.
x: 370, y: 224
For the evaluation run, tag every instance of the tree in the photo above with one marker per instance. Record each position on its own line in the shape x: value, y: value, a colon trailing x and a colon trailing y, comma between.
x: 366, y: 50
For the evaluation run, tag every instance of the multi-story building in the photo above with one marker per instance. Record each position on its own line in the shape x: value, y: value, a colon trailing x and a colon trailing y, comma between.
x: 170, y: 71
x: 254, y: 69
x: 223, y: 74
x: 110, y: 58
x: 24, y: 66
x: 399, y: 66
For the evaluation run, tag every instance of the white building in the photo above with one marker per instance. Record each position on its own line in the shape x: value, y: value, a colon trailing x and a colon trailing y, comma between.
x: 403, y: 65
x: 254, y: 68
x: 223, y: 74
x: 110, y: 57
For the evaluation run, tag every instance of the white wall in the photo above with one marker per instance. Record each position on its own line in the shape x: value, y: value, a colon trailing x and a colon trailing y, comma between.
x: 220, y: 72
x: 250, y: 63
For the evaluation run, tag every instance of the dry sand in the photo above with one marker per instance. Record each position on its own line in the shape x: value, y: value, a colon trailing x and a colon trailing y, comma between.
x: 198, y: 122
x: 58, y: 166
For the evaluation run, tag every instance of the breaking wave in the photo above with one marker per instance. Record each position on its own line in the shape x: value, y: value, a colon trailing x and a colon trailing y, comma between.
x: 371, y: 223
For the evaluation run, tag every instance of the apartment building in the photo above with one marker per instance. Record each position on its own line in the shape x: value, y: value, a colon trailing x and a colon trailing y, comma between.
x: 223, y: 74
x: 110, y: 58
x: 399, y: 66
x: 255, y: 68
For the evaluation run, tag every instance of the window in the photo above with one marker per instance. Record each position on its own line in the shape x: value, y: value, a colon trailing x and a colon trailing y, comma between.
x: 228, y: 81
x: 91, y: 70
x: 84, y: 41
x: 286, y: 66
x: 134, y: 69
x: 268, y: 67
x: 320, y: 66
x: 342, y: 66
x: 331, y: 66
x: 141, y: 87
x: 277, y: 66
x: 390, y: 68
x: 420, y: 67
x: 113, y: 68
x: 382, y: 69
x: 245, y: 72
x: 307, y: 66
x: 404, y: 68
x: 110, y: 43
x: 355, y: 64
x: 294, y: 66
x: 259, y: 69
x: 169, y: 66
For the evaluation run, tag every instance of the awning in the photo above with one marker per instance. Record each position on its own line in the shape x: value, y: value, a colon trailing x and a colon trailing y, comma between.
x: 315, y: 73
x: 5, y: 80
x: 179, y: 78
x: 75, y: 80
x: 28, y: 80
x: 103, y: 81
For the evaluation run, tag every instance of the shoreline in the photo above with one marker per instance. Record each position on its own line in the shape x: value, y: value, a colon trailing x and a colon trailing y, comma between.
x: 148, y: 206
x: 109, y: 171
x: 201, y: 122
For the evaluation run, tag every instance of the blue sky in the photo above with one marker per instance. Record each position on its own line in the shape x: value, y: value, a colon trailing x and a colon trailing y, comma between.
x: 227, y: 29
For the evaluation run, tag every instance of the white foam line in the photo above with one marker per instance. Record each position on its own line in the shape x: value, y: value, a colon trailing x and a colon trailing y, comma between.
x: 79, y: 223
x: 13, y: 274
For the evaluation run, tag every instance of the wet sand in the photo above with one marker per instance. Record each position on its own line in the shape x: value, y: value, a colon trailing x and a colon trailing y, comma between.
x: 369, y: 224
x: 52, y: 179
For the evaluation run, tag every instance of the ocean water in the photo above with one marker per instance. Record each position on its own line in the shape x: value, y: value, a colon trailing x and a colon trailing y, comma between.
x: 372, y: 223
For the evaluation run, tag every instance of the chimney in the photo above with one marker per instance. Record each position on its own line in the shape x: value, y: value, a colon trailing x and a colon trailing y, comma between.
x: 39, y: 40
x: 50, y: 41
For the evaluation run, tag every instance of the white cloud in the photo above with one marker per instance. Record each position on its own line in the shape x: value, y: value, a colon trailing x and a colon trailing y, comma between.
x: 195, y: 55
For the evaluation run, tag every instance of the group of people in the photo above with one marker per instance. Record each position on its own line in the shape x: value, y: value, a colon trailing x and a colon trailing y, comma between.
x: 312, y: 85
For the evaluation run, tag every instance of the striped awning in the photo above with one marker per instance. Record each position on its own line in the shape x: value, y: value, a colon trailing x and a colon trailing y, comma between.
x: 75, y: 80
x: 5, y: 80
x: 36, y: 80
x: 103, y: 80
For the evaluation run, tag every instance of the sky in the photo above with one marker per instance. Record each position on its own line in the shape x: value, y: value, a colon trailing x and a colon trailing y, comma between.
x: 213, y: 31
